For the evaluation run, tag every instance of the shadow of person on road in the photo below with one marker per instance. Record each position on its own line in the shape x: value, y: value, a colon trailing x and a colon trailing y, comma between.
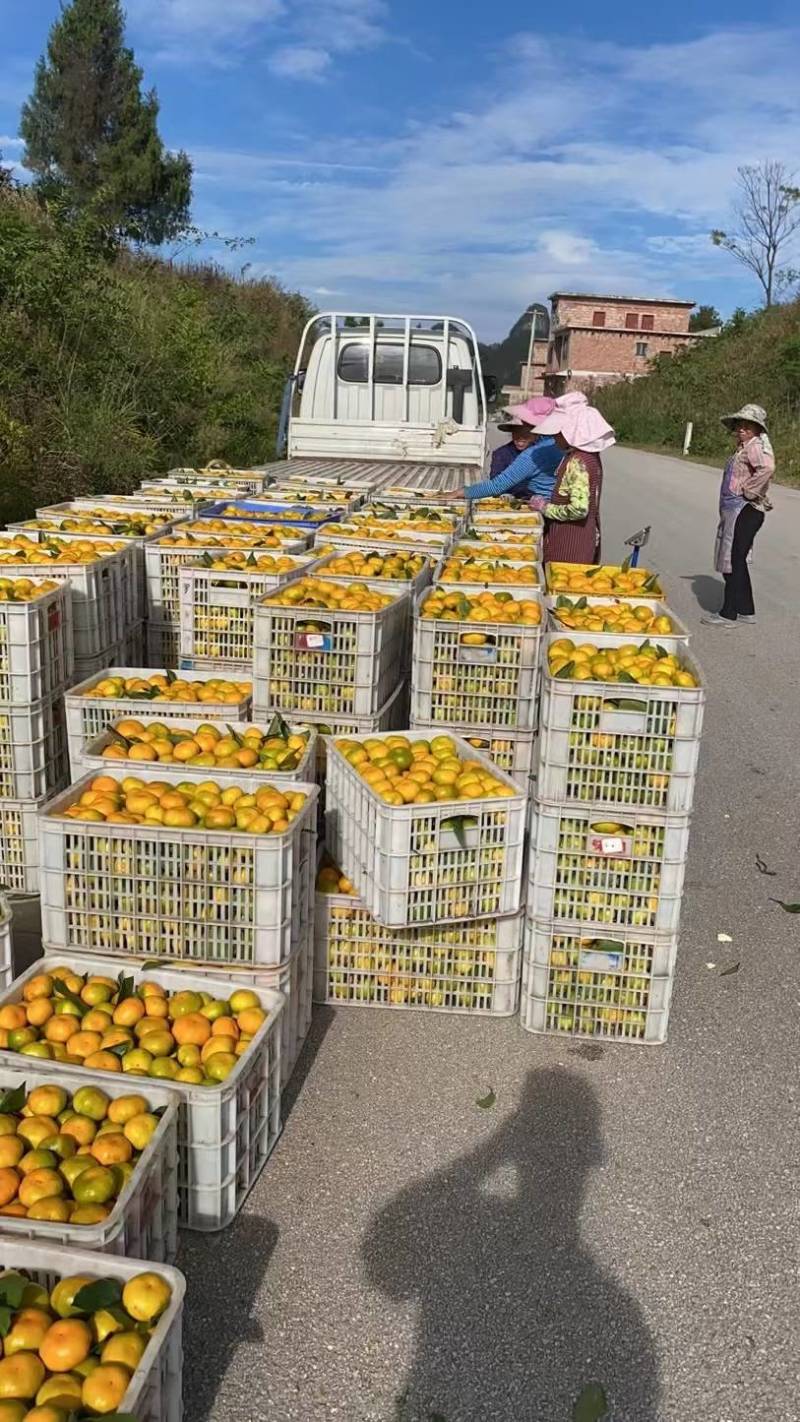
x: 516, y: 1316
x: 223, y: 1274
x: 708, y: 591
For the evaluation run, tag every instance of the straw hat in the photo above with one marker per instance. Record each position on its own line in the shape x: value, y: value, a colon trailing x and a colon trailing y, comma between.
x: 748, y: 415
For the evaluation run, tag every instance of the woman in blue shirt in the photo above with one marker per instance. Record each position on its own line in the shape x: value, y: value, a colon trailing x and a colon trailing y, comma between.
x: 527, y: 464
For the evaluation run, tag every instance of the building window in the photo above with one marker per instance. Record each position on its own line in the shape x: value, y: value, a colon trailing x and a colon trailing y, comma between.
x: 641, y: 348
x: 424, y: 364
x: 599, y: 318
x: 648, y: 323
x: 631, y: 321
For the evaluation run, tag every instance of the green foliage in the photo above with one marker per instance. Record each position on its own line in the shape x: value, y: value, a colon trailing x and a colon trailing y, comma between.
x: 91, y: 135
x: 704, y: 318
x: 755, y: 358
x: 115, y: 365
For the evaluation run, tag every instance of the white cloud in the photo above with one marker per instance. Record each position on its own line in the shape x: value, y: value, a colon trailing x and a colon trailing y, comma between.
x: 296, y: 40
x: 609, y: 172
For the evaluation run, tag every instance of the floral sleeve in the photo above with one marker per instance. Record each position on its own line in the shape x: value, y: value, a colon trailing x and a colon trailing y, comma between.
x: 575, y: 483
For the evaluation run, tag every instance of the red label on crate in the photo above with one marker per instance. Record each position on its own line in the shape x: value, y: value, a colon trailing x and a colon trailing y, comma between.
x: 312, y: 642
x: 54, y: 617
x: 613, y: 846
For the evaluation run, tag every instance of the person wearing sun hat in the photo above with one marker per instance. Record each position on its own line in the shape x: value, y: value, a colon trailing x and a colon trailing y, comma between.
x: 572, y: 512
x: 527, y: 464
x: 743, y: 503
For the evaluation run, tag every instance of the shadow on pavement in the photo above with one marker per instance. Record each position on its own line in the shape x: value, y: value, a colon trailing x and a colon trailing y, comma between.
x: 516, y: 1316
x: 224, y: 1275
x: 320, y: 1024
x: 708, y: 591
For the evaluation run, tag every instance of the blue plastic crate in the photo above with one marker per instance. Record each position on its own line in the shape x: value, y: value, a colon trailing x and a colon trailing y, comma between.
x: 300, y: 515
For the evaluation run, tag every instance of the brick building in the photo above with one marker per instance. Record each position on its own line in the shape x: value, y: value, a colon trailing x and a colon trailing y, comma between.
x: 595, y: 340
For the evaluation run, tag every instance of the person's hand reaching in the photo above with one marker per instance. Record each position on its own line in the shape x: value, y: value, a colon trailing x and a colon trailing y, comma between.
x: 538, y: 503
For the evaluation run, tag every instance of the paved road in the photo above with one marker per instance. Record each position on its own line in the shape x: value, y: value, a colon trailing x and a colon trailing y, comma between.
x: 623, y: 1215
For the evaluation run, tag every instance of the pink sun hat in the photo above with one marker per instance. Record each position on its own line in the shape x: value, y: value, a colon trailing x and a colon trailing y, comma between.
x: 528, y: 413
x: 582, y: 426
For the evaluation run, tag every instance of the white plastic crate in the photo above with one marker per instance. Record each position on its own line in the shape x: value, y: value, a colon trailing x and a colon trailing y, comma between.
x: 36, y: 656
x: 294, y: 981
x: 143, y: 1223
x: 512, y: 752
x: 494, y: 685
x: 94, y: 667
x: 91, y: 759
x: 557, y: 630
x: 88, y: 716
x: 162, y: 644
x: 6, y: 954
x: 412, y: 585
x: 420, y: 864
x: 617, y: 744
x: 527, y: 591
x: 616, y: 988
x: 192, y: 895
x: 346, y: 535
x: 225, y: 1131
x: 624, y: 871
x: 99, y: 591
x: 244, y: 481
x: 392, y: 717
x: 349, y: 665
x: 164, y: 564
x: 131, y: 563
x: 19, y: 847
x: 133, y: 645
x: 216, y: 611
x: 184, y: 503
x: 358, y: 961
x: 33, y: 750
x: 512, y: 520
x: 154, y: 1391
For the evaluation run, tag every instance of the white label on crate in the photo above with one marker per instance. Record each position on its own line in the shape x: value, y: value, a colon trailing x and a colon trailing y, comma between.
x: 600, y: 960
x: 312, y: 642
x: 614, y: 846
x: 477, y: 656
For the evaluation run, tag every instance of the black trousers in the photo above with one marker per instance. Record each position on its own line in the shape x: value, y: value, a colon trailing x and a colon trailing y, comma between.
x: 738, y: 588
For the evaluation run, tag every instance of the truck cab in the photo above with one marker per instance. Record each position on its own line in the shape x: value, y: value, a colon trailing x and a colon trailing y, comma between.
x: 403, y: 389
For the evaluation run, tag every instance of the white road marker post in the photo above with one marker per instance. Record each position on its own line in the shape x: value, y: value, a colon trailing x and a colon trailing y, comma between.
x: 687, y: 438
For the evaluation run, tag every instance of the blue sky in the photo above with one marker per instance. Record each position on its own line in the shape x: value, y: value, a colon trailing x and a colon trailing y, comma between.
x: 402, y: 155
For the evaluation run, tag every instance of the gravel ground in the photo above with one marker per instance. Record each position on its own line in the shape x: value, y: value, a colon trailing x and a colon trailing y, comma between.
x: 622, y: 1215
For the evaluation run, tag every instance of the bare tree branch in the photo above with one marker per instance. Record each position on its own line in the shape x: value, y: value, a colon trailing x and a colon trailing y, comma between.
x: 767, y: 210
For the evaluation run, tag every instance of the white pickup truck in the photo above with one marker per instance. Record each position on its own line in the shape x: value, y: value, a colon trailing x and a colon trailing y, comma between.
x: 402, y: 397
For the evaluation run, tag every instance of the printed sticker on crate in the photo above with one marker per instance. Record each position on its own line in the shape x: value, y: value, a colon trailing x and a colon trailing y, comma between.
x: 617, y: 988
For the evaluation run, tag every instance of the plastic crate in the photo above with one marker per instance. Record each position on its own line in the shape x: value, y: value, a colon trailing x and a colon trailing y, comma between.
x: 308, y: 518
x: 625, y: 872
x: 613, y: 744
x: 94, y: 667
x: 36, y: 657
x: 192, y: 895
x: 162, y: 644
x: 616, y: 988
x: 184, y: 503
x: 143, y: 1223
x: 216, y: 611
x: 512, y: 519
x: 350, y: 667
x: 678, y: 637
x: 413, y: 585
x: 554, y: 571
x: 245, y: 481
x: 358, y: 961
x: 154, y: 1391
x: 91, y: 757
x: 419, y: 864
x: 6, y: 953
x: 532, y: 589
x: 391, y: 717
x: 133, y: 645
x: 225, y: 1131
x: 132, y: 563
x: 99, y: 592
x: 33, y: 750
x: 19, y: 848
x: 343, y: 535
x: 87, y: 715
x: 513, y: 752
x: 493, y: 686
x: 165, y: 563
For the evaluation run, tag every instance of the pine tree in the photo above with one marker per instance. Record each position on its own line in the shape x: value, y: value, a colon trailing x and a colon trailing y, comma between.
x: 91, y: 135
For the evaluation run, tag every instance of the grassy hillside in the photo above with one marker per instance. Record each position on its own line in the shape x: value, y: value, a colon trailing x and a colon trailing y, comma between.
x: 112, y: 366
x: 756, y: 358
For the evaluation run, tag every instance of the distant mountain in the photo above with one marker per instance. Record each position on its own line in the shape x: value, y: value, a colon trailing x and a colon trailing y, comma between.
x: 503, y: 359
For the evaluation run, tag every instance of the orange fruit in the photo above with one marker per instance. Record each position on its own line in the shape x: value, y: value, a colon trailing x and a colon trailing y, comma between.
x: 192, y: 1030
x: 105, y: 1388
x: 10, y: 1181
x: 21, y: 1376
x: 66, y: 1344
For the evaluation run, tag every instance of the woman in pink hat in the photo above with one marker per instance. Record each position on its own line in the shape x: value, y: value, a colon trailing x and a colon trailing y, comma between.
x: 572, y: 513
x: 527, y: 464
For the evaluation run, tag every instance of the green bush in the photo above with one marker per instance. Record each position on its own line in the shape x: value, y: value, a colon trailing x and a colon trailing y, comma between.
x: 113, y: 366
x: 755, y: 358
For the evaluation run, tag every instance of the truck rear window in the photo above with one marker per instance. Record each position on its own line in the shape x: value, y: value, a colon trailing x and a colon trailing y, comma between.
x: 424, y: 364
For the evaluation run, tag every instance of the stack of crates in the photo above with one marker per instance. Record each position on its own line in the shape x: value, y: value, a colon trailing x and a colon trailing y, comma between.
x: 610, y: 830
x: 428, y: 916
x: 36, y: 661
x: 196, y: 545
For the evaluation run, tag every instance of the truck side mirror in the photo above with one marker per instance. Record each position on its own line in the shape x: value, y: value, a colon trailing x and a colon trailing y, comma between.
x: 458, y: 381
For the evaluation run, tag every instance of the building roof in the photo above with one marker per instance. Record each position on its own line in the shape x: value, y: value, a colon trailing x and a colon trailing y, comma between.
x: 631, y: 300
